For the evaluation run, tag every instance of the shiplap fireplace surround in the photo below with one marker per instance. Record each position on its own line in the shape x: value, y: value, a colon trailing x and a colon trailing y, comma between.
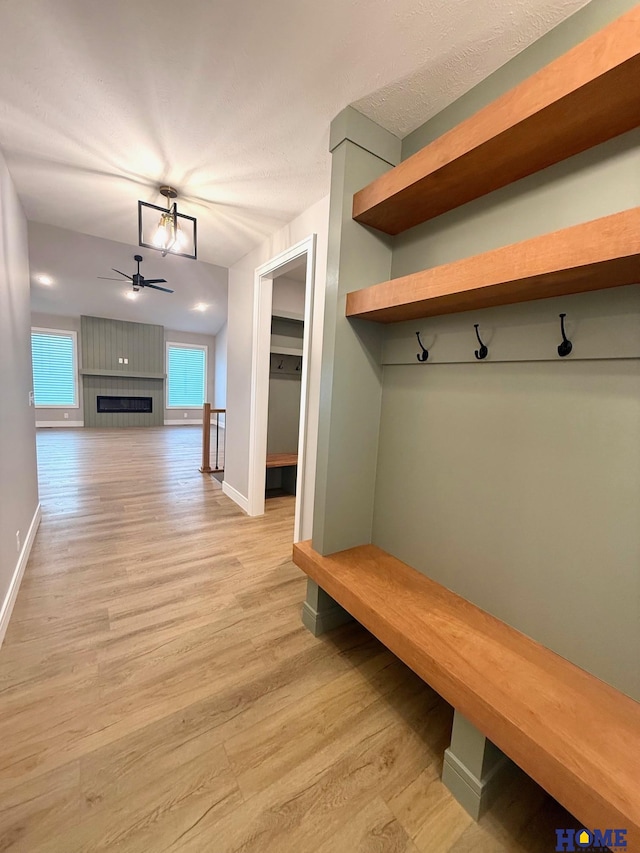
x: 122, y: 359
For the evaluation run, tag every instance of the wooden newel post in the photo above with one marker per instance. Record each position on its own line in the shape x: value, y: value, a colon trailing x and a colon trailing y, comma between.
x: 206, y: 439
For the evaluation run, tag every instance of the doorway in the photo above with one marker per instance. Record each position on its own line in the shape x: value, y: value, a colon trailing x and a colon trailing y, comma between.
x: 285, y: 380
x: 283, y: 322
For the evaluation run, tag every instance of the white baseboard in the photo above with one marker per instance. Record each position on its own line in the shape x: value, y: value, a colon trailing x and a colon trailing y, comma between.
x: 14, y: 586
x: 59, y: 423
x: 235, y: 496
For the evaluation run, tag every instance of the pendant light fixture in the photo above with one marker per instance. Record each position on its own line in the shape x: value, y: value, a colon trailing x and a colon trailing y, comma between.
x: 166, y: 230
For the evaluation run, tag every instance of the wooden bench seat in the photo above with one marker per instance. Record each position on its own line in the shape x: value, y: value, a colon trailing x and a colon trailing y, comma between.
x: 281, y: 460
x: 576, y: 736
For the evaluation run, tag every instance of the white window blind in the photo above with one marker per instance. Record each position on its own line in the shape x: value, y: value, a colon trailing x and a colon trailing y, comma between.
x: 54, y: 368
x: 186, y: 376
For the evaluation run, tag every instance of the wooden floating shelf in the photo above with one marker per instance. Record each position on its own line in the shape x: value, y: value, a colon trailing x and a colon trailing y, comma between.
x: 278, y: 350
x: 575, y: 735
x: 291, y: 316
x: 124, y: 374
x: 583, y: 98
x: 591, y: 256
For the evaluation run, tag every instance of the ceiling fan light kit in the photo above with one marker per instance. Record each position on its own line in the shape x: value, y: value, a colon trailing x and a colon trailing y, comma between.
x: 170, y: 233
x: 138, y: 281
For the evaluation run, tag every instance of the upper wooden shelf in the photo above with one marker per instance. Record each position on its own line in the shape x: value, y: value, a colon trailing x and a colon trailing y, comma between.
x: 575, y: 735
x: 292, y: 316
x: 276, y: 349
x: 591, y: 256
x: 585, y: 97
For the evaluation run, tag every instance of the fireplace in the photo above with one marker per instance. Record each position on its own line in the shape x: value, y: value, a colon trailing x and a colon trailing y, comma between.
x: 124, y: 404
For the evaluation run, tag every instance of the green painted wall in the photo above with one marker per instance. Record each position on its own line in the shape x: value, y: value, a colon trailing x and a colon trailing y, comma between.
x: 517, y: 484
x: 103, y: 343
x: 284, y: 412
x: 351, y: 382
x: 285, y: 385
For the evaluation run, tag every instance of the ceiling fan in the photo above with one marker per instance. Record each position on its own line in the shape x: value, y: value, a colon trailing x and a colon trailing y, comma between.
x: 137, y: 280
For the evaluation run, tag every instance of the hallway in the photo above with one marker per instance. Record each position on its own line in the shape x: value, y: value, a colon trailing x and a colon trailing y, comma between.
x: 159, y: 693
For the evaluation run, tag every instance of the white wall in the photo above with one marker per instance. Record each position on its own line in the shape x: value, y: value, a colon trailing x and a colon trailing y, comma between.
x: 220, y: 385
x: 240, y: 328
x: 18, y: 475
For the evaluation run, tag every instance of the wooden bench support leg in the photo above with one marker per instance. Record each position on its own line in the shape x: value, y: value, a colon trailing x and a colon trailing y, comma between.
x: 320, y: 612
x: 474, y: 769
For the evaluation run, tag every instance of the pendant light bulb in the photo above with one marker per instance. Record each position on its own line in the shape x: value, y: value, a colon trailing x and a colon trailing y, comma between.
x: 181, y: 239
x: 160, y: 237
x: 165, y: 235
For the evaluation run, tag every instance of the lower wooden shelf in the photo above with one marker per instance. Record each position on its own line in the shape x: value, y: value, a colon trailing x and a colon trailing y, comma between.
x: 281, y: 460
x: 594, y: 255
x: 576, y: 736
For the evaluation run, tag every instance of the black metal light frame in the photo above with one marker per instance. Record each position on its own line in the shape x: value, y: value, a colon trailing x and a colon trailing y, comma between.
x: 173, y: 211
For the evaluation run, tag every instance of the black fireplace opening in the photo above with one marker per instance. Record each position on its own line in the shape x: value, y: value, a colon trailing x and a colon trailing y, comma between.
x: 125, y: 404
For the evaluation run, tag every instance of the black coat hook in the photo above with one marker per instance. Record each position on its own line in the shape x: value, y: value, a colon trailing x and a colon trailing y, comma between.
x: 566, y: 346
x: 299, y: 365
x: 424, y: 355
x: 281, y: 365
x: 483, y: 352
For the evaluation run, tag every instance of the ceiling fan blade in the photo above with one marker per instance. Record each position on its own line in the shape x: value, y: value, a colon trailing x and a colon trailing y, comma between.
x: 107, y: 278
x: 154, y: 280
x: 155, y: 287
x: 122, y: 273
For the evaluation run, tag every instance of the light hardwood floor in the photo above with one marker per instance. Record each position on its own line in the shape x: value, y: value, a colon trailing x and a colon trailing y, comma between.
x: 159, y: 693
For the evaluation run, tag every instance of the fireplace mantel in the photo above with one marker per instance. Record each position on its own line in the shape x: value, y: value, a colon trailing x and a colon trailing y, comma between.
x: 127, y: 374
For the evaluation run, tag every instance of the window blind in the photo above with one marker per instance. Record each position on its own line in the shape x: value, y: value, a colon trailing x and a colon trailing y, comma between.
x: 186, y: 376
x: 54, y: 369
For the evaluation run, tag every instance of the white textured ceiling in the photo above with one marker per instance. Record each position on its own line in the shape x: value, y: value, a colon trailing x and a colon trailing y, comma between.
x: 100, y: 102
x: 74, y: 261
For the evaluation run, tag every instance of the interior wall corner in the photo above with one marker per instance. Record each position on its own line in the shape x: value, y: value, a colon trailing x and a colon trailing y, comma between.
x: 355, y: 127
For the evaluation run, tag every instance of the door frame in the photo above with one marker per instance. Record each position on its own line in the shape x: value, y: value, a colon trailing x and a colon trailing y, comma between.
x: 259, y: 409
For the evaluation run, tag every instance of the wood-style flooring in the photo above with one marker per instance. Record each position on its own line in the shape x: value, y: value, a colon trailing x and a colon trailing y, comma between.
x: 159, y: 693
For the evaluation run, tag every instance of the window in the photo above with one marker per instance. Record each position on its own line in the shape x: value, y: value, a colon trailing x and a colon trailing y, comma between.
x: 55, y: 377
x: 186, y: 376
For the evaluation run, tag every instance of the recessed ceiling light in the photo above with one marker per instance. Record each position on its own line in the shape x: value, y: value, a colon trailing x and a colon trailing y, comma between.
x: 201, y: 306
x: 44, y: 279
x: 131, y: 294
